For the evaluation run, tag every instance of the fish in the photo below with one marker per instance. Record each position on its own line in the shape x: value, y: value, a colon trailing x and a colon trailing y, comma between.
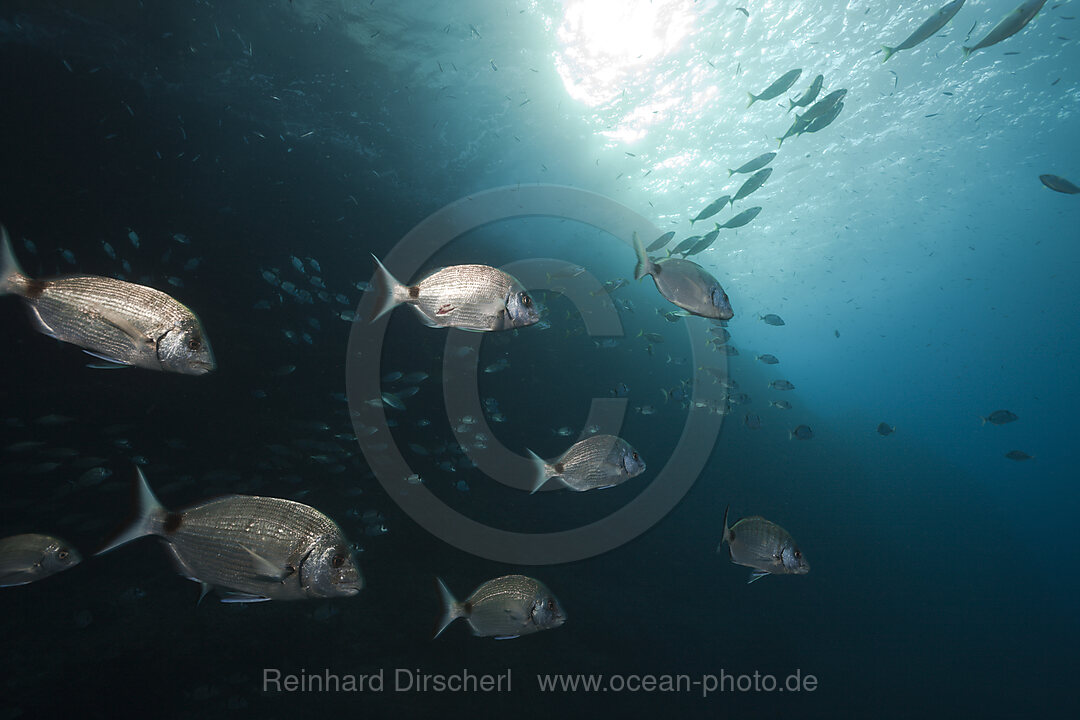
x: 393, y: 376
x: 1013, y: 23
x: 392, y: 400
x: 753, y: 165
x: 30, y: 557
x: 112, y: 320
x: 810, y: 95
x: 703, y: 244
x: 751, y: 184
x: 824, y: 107
x: 469, y: 297
x: 768, y: 359
x: 711, y: 209
x: 249, y: 548
x: 1000, y: 417
x: 780, y: 404
x: 595, y: 463
x: 763, y: 546
x: 777, y: 88
x: 823, y: 121
x: 741, y: 219
x: 773, y: 319
x: 686, y: 245
x: 803, y: 432
x: 1059, y: 184
x: 504, y: 608
x: 781, y: 385
x: 927, y: 30
x: 752, y: 421
x: 662, y: 240
x: 1018, y: 455
x: 885, y: 429
x: 684, y: 283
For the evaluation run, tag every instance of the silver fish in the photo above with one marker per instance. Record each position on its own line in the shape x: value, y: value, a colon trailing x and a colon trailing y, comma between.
x: 809, y: 96
x: 1059, y: 184
x: 251, y: 548
x: 714, y: 207
x: 469, y: 297
x: 885, y: 429
x: 685, y: 284
x: 1013, y: 23
x: 763, y: 546
x: 597, y: 462
x: 778, y: 87
x: 30, y: 557
x: 664, y: 239
x: 753, y: 165
x: 927, y: 30
x: 741, y: 219
x: 114, y: 320
x: 503, y: 608
x: 752, y: 183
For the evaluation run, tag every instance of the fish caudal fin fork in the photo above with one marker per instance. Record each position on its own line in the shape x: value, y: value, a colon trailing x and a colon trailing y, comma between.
x: 644, y: 266
x: 724, y: 539
x: 888, y: 52
x: 452, y: 609
x: 11, y: 275
x: 541, y: 471
x: 148, y: 512
x: 389, y: 293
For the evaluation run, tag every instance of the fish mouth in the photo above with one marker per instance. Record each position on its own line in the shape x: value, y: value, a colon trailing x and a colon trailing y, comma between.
x: 202, y: 367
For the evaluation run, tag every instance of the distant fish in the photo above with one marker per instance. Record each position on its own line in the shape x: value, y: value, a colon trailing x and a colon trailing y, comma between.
x: 703, y: 244
x: 753, y: 165
x: 751, y: 184
x: 30, y: 557
x: 777, y: 88
x: 503, y: 608
x: 251, y: 548
x: 752, y: 421
x: 885, y: 429
x: 780, y: 404
x: 1000, y: 417
x: 773, y: 319
x: 663, y: 240
x: 685, y: 284
x: 803, y: 432
x: 470, y: 297
x: 763, y: 546
x: 811, y: 93
x: 595, y: 463
x: 686, y: 244
x: 111, y: 319
x: 1013, y: 23
x: 781, y: 385
x: 927, y: 30
x: 1059, y: 184
x: 768, y: 359
x: 714, y: 207
x: 741, y: 219
x: 1018, y: 455
x: 825, y: 108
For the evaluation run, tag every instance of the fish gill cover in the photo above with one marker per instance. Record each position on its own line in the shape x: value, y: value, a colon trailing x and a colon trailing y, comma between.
x: 915, y: 241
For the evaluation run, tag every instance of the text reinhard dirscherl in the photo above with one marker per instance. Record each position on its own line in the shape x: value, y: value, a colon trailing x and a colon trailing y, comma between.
x: 414, y: 680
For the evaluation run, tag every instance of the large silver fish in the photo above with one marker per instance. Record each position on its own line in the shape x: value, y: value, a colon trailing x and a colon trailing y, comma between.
x: 468, y: 297
x: 927, y: 30
x: 684, y: 283
x: 503, y: 608
x: 111, y: 319
x: 1013, y: 23
x: 251, y: 548
x: 777, y: 88
x: 763, y: 546
x: 30, y: 557
x: 597, y: 462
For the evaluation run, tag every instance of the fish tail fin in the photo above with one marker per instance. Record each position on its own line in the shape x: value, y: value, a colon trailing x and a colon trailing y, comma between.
x: 389, y: 293
x: 779, y: 142
x: 12, y: 278
x: 644, y: 266
x: 791, y: 106
x: 148, y: 513
x: 753, y: 99
x: 730, y: 172
x: 542, y: 471
x: 724, y: 539
x: 967, y: 52
x: 452, y: 609
x: 984, y: 420
x: 888, y: 52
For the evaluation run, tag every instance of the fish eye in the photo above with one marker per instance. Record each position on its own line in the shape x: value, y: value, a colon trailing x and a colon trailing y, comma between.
x: 635, y: 456
x: 798, y: 555
x: 338, y: 560
x: 63, y: 554
x: 194, y: 343
x: 526, y: 300
x: 551, y: 604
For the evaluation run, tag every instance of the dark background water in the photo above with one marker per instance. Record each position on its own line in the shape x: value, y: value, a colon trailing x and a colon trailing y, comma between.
x: 933, y: 591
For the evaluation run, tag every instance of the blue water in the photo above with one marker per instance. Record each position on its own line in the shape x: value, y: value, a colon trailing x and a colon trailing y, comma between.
x: 925, y: 276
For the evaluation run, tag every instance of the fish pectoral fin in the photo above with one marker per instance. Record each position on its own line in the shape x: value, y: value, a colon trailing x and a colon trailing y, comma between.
x: 42, y: 326
x: 109, y: 364
x: 125, y: 326
x: 506, y: 637
x: 424, y: 317
x: 242, y: 597
x: 266, y: 569
x: 756, y: 575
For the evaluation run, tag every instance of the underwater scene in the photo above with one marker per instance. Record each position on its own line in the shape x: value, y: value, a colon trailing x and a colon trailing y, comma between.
x: 542, y: 358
